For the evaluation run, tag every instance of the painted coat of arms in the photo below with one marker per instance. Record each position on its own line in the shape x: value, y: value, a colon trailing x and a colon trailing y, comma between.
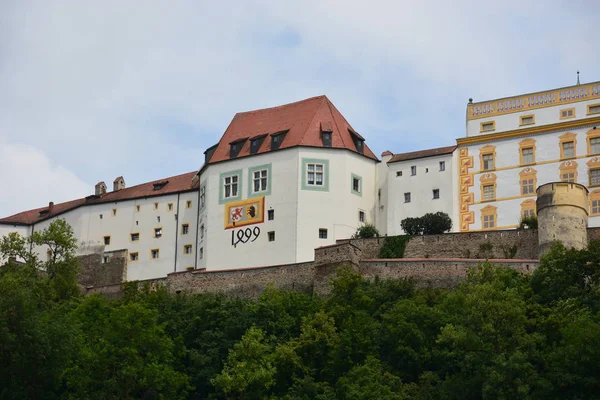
x: 245, y: 212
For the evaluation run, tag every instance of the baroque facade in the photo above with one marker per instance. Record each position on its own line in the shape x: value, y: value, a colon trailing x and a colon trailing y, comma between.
x: 285, y: 180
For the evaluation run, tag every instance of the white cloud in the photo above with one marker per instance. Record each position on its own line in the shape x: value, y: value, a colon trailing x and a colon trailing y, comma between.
x: 114, y: 88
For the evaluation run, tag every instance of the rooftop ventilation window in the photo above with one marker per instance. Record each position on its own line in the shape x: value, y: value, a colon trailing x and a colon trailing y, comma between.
x: 277, y: 139
x: 358, y: 141
x: 235, y: 147
x: 326, y: 131
x: 256, y: 142
x: 159, y: 185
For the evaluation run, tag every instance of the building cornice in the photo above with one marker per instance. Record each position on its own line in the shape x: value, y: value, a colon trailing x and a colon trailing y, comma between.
x: 532, y: 131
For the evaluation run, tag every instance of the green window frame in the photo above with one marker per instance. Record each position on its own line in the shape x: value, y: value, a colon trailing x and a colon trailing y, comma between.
x: 318, y: 166
x: 236, y: 173
x: 360, y: 183
x: 251, y: 180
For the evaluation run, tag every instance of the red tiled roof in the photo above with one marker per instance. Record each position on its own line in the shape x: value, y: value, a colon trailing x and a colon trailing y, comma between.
x: 179, y: 183
x: 303, y: 121
x: 422, y: 154
x: 387, y: 153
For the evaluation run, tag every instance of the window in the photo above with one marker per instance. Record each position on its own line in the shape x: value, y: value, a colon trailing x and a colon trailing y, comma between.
x: 188, y: 204
x: 489, y: 193
x: 398, y: 173
x: 527, y: 155
x: 134, y: 237
x: 527, y: 186
x: 436, y: 193
x: 595, y: 203
x: 202, y: 231
x: 271, y: 236
x: 157, y: 232
x: 231, y: 186
x: 488, y: 162
x: 326, y: 139
x: 154, y: 254
x: 407, y: 197
x: 359, y: 145
x: 235, y: 147
x: 170, y: 207
x: 202, y: 196
x: 155, y: 206
x: 356, y: 184
x: 201, y: 252
x: 361, y: 216
x: 185, y: 229
x: 528, y: 208
x: 489, y: 217
x: 568, y: 177
x: 568, y: 149
x: 114, y: 212
x: 134, y: 256
x: 442, y: 165
x: 271, y: 215
x: 256, y: 142
x: 528, y: 181
x: 593, y: 109
x: 413, y: 170
x: 567, y: 113
x: 105, y: 259
x: 137, y: 208
x: 527, y: 120
x: 259, y: 180
x: 158, y: 219
x: 595, y: 145
x: 315, y: 174
x: 100, y: 216
x: 487, y: 126
x: 322, y: 233
x: 159, y: 185
x: 106, y: 240
x: 594, y: 177
x: 187, y: 249
x: 277, y: 139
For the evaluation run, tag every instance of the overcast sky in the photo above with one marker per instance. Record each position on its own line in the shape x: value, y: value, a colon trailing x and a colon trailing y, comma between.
x: 90, y: 90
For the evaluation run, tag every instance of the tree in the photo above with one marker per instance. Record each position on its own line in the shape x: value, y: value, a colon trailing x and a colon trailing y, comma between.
x: 412, y: 226
x: 366, y: 231
x: 429, y: 224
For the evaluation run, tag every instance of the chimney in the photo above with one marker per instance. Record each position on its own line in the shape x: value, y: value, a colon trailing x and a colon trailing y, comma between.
x: 50, y: 207
x: 100, y: 188
x: 118, y: 184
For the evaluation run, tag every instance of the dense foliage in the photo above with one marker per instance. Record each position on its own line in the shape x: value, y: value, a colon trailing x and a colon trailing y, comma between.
x: 499, y: 335
x: 429, y: 224
x: 366, y: 231
x: 394, y: 246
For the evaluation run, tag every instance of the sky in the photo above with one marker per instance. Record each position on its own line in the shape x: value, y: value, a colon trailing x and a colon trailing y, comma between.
x: 90, y: 90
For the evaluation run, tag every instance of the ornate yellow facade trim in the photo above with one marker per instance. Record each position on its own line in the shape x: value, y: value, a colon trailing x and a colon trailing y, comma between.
x: 487, y: 179
x: 533, y: 101
x: 592, y: 134
x: 486, y: 151
x: 526, y: 144
x: 528, y: 181
x: 568, y: 171
x: 489, y: 218
x: 528, y: 208
x: 595, y: 202
x: 534, y: 130
x: 465, y: 182
x: 564, y: 139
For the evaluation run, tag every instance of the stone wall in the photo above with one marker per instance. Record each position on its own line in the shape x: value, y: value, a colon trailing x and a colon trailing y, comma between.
x: 94, y: 272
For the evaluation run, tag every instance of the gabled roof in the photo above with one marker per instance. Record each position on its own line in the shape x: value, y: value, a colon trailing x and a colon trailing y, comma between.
x: 176, y: 184
x: 422, y: 154
x: 301, y: 120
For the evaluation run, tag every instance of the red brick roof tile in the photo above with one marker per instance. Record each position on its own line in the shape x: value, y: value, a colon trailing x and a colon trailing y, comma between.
x: 303, y: 121
x: 176, y: 184
x: 422, y: 154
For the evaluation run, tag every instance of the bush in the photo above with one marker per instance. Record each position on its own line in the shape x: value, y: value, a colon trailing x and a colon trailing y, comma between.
x: 428, y: 224
x: 366, y: 231
x: 529, y: 222
x: 394, y: 246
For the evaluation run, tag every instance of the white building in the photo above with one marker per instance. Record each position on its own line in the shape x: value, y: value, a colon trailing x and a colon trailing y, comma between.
x: 285, y: 180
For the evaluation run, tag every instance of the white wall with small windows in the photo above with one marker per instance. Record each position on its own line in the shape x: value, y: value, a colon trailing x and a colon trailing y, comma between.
x: 428, y: 190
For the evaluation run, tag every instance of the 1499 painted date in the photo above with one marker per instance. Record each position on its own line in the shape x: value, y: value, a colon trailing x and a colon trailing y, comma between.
x: 244, y: 235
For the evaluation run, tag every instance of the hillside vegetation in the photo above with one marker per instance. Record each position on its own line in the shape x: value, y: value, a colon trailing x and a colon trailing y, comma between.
x: 500, y: 335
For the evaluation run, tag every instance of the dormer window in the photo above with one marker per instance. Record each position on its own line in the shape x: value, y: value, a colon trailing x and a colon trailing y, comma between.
x: 159, y: 185
x: 326, y: 139
x: 358, y: 141
x: 256, y: 142
x: 233, y: 150
x: 326, y: 130
x: 277, y: 139
x: 359, y: 146
x: 209, y: 152
x: 235, y: 147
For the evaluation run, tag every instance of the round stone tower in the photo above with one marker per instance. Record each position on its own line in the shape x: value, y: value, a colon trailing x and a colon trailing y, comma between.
x: 562, y: 212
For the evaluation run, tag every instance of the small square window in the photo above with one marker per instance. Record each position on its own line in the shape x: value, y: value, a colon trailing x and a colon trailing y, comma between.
x: 322, y: 233
x: 135, y: 237
x: 271, y: 236
x: 488, y: 162
x: 488, y: 126
x: 114, y: 212
x: 567, y: 113
x: 527, y: 120
x: 202, y: 231
x: 413, y: 170
x: 436, y: 193
x: 407, y: 197
x: 137, y: 208
x: 187, y: 249
x: 170, y: 207
x: 271, y: 215
x: 155, y: 254
x: 157, y: 232
x: 361, y: 216
x: 134, y: 256
x: 398, y: 173
x: 156, y: 206
x: 100, y: 216
x: 106, y: 240
x: 188, y: 204
x: 201, y: 252
x: 442, y: 165
x: 356, y: 185
x: 594, y: 109
x: 185, y: 229
x: 104, y: 259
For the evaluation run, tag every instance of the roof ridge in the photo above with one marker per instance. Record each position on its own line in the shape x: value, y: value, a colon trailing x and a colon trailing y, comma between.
x: 283, y: 105
x: 430, y: 149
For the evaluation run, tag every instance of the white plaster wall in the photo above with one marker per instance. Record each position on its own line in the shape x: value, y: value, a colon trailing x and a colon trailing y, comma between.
x: 5, y: 230
x: 219, y: 253
x: 383, y: 201
x: 337, y: 209
x: 543, y: 116
x: 420, y: 187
